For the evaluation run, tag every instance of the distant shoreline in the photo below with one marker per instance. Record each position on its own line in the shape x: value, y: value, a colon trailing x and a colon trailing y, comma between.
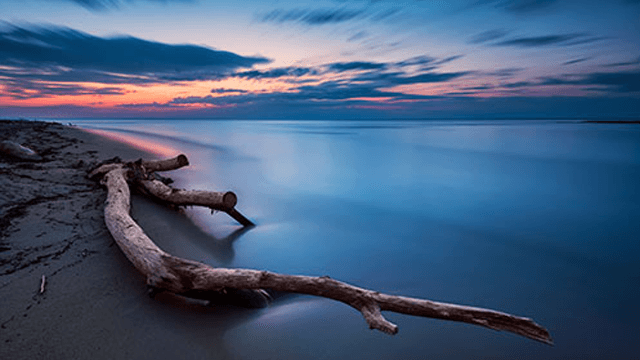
x: 611, y: 122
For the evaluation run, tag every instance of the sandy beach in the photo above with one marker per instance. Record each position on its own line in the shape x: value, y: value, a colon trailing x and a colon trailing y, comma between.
x: 94, y: 303
x: 543, y: 228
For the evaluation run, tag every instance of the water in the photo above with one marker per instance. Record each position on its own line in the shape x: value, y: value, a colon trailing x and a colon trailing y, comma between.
x: 535, y: 218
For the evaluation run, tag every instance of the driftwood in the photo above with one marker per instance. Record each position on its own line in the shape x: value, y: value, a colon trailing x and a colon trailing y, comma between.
x: 18, y: 151
x: 42, y: 282
x: 165, y: 272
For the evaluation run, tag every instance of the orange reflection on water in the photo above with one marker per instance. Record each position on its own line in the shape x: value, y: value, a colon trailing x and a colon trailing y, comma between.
x: 138, y: 143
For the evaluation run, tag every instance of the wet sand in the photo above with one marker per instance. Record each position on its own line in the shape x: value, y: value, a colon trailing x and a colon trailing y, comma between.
x: 95, y: 303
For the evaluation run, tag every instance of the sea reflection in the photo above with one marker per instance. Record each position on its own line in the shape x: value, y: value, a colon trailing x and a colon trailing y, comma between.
x: 539, y: 219
x: 154, y: 147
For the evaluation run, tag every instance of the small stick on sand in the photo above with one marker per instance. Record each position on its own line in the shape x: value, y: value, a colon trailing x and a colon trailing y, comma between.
x: 42, y: 284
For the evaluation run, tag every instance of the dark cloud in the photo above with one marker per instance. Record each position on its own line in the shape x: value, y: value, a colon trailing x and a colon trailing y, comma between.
x: 225, y: 91
x: 621, y: 82
x: 100, y: 5
x: 276, y: 73
x: 460, y: 107
x: 548, y: 40
x: 518, y: 84
x: 399, y: 78
x: 26, y: 89
x: 480, y: 87
x: 327, y: 93
x: 356, y: 65
x: 62, y: 54
x: 371, y: 84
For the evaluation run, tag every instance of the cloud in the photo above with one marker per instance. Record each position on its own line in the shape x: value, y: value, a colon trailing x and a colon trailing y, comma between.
x: 62, y: 54
x: 356, y: 65
x: 225, y: 91
x: 371, y: 82
x: 276, y: 73
x: 328, y: 93
x: 575, y: 61
x: 621, y: 82
x: 100, y: 5
x: 358, y: 80
x: 548, y: 40
x: 459, y: 107
x: 399, y: 78
x: 313, y: 16
x: 34, y: 89
x: 518, y: 84
x: 487, y: 36
x: 519, y: 7
x: 636, y: 61
x: 426, y: 60
x: 317, y: 17
x: 503, y: 73
x: 358, y: 36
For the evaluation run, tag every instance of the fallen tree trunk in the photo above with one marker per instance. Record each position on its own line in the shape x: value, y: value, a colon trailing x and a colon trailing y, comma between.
x: 165, y: 272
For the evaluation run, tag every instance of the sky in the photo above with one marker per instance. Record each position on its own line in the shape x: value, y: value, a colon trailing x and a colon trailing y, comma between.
x: 339, y: 59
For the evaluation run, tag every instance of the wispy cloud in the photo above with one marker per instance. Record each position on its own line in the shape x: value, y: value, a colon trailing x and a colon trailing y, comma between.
x: 292, y: 71
x: 313, y: 16
x: 614, y: 82
x: 226, y: 91
x: 34, y: 89
x: 487, y: 36
x: 358, y: 82
x: 356, y: 65
x: 576, y: 61
x: 101, y: 5
x: 548, y: 40
x: 621, y: 82
x: 324, y: 16
x: 636, y: 61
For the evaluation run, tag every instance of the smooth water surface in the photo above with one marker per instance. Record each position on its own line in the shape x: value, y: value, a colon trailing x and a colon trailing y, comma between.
x: 538, y: 219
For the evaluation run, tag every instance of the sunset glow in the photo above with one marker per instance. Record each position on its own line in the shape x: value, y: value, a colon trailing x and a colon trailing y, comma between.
x: 319, y: 60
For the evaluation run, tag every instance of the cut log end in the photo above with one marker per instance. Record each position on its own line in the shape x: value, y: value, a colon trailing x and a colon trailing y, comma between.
x: 229, y: 199
x: 182, y: 160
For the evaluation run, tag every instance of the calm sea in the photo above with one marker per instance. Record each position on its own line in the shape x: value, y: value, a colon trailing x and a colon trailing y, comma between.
x: 535, y: 218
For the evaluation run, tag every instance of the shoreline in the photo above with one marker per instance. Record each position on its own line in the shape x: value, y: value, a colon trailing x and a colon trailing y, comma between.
x: 94, y: 302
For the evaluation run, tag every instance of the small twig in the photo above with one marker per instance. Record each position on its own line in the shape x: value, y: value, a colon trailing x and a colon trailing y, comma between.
x: 42, y: 284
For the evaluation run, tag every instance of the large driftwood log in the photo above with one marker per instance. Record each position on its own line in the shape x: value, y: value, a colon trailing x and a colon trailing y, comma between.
x: 165, y: 272
x: 18, y: 151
